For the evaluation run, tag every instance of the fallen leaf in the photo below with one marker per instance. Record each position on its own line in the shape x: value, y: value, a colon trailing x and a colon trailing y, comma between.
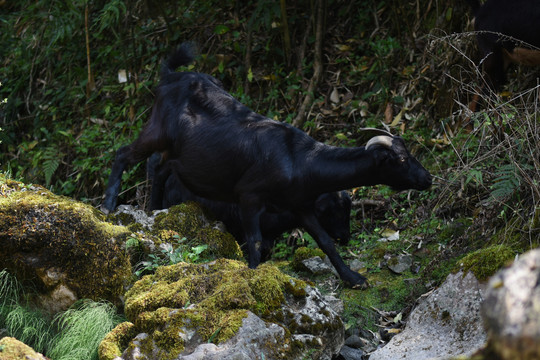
x: 388, y: 114
x: 334, y: 96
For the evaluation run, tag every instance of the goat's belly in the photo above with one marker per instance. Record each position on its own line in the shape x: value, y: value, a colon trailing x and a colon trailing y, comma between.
x: 208, y: 181
x: 209, y: 187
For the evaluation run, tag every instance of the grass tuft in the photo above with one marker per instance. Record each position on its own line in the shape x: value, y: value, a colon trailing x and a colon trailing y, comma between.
x: 74, y: 334
x: 82, y: 329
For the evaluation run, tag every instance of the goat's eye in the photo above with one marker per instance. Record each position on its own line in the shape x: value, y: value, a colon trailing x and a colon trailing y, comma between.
x: 402, y: 160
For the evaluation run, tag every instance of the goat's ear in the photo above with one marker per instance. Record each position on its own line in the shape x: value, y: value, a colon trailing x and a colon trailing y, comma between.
x: 322, y: 203
x: 382, y: 154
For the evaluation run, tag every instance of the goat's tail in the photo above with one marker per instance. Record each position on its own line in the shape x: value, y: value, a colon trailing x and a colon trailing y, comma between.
x: 475, y: 5
x: 183, y: 55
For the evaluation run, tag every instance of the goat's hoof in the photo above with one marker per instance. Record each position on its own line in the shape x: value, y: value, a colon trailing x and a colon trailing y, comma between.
x: 362, y: 285
x: 104, y: 210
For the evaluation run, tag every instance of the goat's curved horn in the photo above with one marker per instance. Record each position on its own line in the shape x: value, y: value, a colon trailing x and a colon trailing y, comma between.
x: 374, y: 131
x: 364, y: 134
x: 383, y: 140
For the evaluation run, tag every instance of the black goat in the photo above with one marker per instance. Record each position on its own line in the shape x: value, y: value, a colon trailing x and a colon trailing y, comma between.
x: 224, y: 151
x: 505, y: 31
x: 331, y: 209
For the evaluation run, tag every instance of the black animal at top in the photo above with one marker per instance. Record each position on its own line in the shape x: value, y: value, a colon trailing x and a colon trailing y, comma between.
x: 506, y: 32
x: 222, y: 150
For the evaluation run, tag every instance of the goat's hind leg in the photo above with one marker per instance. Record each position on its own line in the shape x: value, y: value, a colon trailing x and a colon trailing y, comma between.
x: 158, y: 175
x: 252, y: 234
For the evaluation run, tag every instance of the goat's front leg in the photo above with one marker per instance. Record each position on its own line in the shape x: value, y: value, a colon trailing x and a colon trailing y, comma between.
x: 252, y: 233
x: 326, y: 244
x: 146, y: 144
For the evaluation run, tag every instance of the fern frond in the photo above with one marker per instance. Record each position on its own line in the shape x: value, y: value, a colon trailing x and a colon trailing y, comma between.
x: 51, y: 161
x: 507, y: 181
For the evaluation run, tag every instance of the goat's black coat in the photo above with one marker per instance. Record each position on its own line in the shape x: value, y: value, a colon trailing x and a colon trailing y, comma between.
x: 332, y: 209
x: 518, y: 19
x: 224, y: 151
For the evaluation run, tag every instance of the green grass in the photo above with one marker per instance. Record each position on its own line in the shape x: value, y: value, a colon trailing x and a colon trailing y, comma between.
x: 29, y: 326
x: 19, y: 320
x: 82, y: 329
x: 74, y: 334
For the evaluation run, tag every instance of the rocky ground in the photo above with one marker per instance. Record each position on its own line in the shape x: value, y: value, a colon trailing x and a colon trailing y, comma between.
x: 217, y: 308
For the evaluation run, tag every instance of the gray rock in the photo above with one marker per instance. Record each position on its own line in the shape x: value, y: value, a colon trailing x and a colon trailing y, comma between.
x: 138, y: 216
x: 445, y: 323
x: 349, y: 353
x: 511, y: 310
x: 354, y: 341
x: 245, y: 345
x: 335, y: 303
x: 357, y: 265
x: 317, y: 266
x: 400, y: 264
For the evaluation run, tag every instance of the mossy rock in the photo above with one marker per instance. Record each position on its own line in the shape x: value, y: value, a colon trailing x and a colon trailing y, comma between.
x: 60, y: 246
x: 303, y: 253
x: 186, y: 219
x: 13, y: 349
x: 484, y: 263
x: 210, y: 301
x: 115, y: 341
x: 189, y: 221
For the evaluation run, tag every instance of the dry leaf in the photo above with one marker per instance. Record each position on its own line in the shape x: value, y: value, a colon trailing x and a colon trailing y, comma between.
x: 388, y: 114
x: 334, y: 96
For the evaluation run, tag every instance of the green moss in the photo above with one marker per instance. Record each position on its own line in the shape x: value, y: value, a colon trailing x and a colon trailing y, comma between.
x: 387, y: 292
x: 126, y: 219
x: 512, y: 235
x: 484, y: 263
x: 221, y: 244
x: 13, y: 349
x: 303, y: 253
x: 62, y: 234
x: 188, y: 221
x: 118, y: 339
x: 438, y: 272
x: 453, y: 230
x: 211, y: 299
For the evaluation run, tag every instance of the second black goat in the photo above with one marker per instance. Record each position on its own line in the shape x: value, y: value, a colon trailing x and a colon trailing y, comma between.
x: 222, y: 150
x: 332, y: 209
x: 506, y: 31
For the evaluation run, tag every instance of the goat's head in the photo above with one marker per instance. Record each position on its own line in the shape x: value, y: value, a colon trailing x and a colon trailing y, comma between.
x: 396, y: 166
x: 334, y: 213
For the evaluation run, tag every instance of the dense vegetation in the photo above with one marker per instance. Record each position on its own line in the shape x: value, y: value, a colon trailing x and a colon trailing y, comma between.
x: 79, y: 76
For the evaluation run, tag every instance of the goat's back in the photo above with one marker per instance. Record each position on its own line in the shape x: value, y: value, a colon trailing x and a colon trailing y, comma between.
x: 216, y: 140
x: 519, y: 19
